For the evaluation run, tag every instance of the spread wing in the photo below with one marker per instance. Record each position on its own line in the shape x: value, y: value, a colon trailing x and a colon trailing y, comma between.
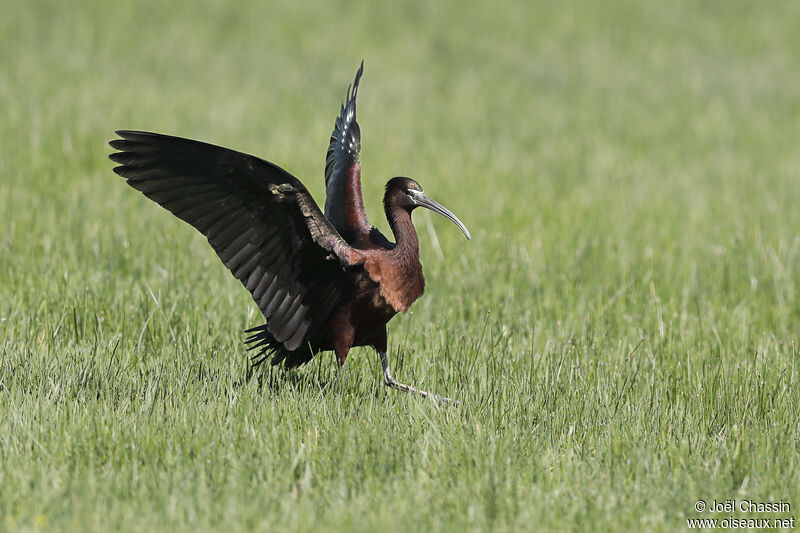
x: 344, y: 205
x: 261, y: 221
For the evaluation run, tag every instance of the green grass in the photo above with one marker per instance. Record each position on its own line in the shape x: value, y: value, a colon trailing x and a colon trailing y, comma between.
x: 621, y: 331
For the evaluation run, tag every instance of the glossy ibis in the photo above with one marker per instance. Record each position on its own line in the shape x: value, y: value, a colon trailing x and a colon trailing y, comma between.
x: 322, y: 281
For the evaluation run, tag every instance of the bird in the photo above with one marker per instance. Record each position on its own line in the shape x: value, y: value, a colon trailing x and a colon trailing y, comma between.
x: 323, y: 281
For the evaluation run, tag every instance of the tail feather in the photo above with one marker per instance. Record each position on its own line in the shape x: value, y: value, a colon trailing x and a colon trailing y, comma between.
x: 262, y: 340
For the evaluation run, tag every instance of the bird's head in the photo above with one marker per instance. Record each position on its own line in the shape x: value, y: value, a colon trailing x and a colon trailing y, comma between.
x: 407, y: 193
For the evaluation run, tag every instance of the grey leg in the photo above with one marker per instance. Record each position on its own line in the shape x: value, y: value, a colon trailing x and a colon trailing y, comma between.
x: 341, y: 377
x: 391, y: 382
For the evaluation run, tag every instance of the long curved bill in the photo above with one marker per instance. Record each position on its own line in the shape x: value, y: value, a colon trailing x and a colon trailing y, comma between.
x: 424, y: 201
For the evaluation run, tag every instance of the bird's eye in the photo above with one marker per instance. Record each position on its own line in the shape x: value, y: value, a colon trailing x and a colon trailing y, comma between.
x: 407, y: 191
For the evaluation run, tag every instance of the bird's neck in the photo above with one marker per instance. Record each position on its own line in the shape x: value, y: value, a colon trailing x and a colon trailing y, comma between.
x: 405, y: 235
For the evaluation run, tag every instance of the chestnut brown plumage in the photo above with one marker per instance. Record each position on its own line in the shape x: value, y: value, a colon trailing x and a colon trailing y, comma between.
x: 322, y: 281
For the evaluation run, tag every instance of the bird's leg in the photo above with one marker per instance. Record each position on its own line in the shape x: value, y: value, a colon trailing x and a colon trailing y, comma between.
x: 341, y: 376
x: 341, y: 349
x: 389, y: 380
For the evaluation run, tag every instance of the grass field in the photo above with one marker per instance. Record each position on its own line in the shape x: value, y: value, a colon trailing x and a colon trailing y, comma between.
x: 621, y: 332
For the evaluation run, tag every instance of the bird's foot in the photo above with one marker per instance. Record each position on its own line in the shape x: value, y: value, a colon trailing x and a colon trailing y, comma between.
x: 393, y: 383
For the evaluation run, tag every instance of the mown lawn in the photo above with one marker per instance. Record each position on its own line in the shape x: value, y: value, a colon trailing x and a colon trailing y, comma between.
x: 621, y: 332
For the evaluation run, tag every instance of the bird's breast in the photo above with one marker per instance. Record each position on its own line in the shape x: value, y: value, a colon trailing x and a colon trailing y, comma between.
x: 400, y: 283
